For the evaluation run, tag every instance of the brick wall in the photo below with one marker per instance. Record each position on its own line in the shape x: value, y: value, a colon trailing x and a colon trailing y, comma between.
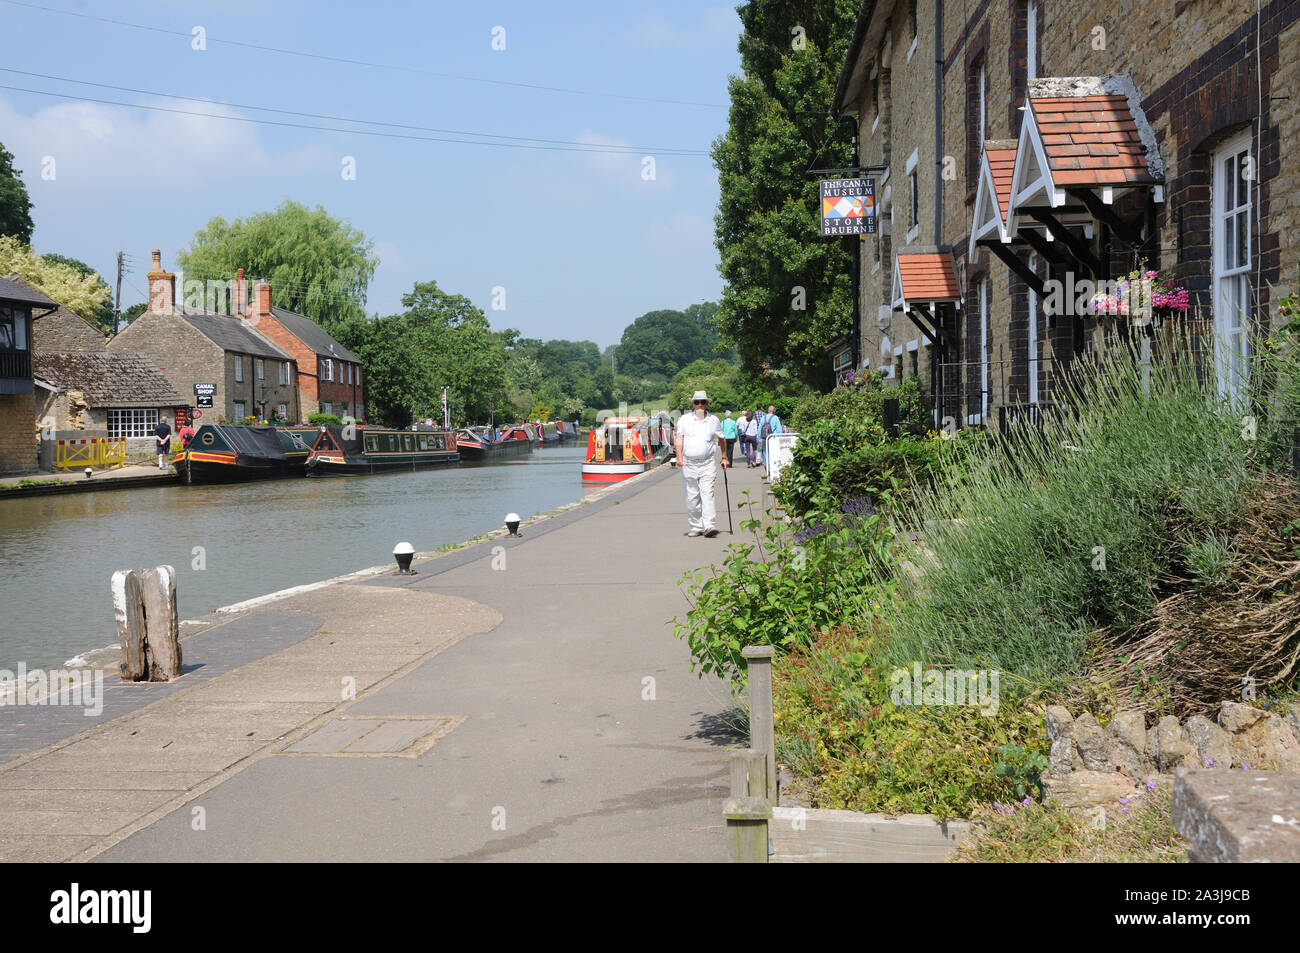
x: 183, y: 354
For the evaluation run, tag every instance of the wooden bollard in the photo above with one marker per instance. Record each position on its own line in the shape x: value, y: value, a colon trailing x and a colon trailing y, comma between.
x: 148, y: 629
x: 747, y: 812
x: 762, y: 732
x: 162, y: 627
x: 128, y: 608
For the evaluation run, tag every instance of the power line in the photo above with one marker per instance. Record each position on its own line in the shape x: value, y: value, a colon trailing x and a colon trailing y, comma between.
x: 352, y: 62
x: 354, y: 132
x: 604, y: 147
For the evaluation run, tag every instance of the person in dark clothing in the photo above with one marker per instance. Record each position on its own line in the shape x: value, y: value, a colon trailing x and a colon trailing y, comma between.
x: 163, y: 432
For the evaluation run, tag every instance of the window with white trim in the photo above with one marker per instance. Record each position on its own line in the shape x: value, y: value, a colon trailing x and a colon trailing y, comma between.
x: 984, y: 349
x: 329, y: 369
x: 132, y: 422
x: 284, y: 372
x: 261, y: 369
x: 283, y: 411
x: 1231, y: 250
x: 240, y: 412
x: 915, y: 200
x: 239, y: 368
x: 1033, y: 336
x: 1031, y: 39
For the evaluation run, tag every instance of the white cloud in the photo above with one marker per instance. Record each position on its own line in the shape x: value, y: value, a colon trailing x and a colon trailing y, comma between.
x: 103, y: 146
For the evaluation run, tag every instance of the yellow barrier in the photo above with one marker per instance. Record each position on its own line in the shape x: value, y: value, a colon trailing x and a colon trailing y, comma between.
x: 90, y: 452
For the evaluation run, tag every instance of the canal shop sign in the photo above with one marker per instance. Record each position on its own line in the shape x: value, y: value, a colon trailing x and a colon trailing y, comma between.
x: 203, y: 394
x: 848, y: 206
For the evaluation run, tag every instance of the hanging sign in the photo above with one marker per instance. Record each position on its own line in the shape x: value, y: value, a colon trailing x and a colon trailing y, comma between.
x: 848, y: 206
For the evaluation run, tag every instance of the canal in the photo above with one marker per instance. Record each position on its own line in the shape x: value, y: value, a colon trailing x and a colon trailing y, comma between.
x: 57, y: 553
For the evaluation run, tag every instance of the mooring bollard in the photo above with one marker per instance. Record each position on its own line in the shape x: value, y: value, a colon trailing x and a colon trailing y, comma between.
x: 762, y: 733
x: 147, y: 625
x: 747, y: 811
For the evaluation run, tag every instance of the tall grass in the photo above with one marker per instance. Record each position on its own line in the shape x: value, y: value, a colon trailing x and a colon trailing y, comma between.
x: 1048, y: 535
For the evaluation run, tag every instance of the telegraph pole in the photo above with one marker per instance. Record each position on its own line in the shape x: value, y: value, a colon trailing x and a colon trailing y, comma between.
x: 117, y: 302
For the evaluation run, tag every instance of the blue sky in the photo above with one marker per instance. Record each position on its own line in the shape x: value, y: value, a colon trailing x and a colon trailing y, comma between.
x: 581, y: 242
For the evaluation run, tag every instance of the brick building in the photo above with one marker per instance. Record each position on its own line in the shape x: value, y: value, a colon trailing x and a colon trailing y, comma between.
x: 19, y: 303
x: 1032, y: 144
x: 189, y: 346
x: 329, y: 375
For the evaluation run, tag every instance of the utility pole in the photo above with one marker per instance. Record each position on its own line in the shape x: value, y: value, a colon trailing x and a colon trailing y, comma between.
x: 117, y: 302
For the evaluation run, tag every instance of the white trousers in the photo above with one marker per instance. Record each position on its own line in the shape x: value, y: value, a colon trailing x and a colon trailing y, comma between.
x: 699, y: 480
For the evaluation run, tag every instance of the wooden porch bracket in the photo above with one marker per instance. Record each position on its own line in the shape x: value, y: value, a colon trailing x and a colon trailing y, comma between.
x: 1082, y: 253
x: 1125, y: 232
x: 1012, y: 261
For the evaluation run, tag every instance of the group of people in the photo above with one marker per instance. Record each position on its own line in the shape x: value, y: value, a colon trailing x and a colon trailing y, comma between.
x: 701, y: 440
x: 752, y: 429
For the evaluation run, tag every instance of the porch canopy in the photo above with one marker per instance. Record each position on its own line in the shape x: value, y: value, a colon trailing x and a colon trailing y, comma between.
x: 1084, y: 148
x: 925, y: 282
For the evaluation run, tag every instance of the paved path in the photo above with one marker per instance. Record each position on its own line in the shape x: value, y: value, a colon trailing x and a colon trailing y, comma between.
x: 526, y: 684
x: 75, y: 481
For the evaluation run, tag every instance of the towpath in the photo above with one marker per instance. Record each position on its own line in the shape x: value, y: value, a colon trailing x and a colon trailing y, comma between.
x: 521, y: 699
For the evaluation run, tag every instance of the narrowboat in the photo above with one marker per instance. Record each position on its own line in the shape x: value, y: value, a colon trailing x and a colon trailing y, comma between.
x: 568, y: 431
x: 361, y: 449
x: 220, y: 453
x: 477, y: 445
x: 548, y: 435
x: 621, y: 447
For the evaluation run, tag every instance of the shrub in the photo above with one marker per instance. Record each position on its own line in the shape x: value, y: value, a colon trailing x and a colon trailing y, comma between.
x: 324, y: 420
x: 864, y: 402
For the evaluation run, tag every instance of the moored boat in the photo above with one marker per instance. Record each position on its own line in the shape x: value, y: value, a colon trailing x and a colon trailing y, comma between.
x: 221, y: 453
x: 479, y: 444
x: 621, y: 447
x: 361, y: 449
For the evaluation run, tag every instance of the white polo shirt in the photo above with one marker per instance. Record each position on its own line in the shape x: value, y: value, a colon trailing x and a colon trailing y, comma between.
x: 699, y: 437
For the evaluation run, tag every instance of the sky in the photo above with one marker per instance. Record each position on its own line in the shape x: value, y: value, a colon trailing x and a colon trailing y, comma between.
x: 582, y: 242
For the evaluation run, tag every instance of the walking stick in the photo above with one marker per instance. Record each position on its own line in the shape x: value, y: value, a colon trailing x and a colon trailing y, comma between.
x: 727, y: 487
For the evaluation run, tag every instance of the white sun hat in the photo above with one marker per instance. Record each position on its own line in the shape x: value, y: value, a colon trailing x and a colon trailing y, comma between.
x: 699, y: 395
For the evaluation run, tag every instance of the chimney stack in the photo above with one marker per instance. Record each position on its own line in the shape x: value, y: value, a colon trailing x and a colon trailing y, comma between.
x: 261, y: 307
x: 162, y: 287
x: 241, y: 295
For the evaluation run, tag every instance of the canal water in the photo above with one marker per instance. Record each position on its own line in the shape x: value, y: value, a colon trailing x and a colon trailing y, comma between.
x: 57, y: 553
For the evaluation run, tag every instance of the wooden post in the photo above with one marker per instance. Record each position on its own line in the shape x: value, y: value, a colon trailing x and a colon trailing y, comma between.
x: 762, y: 736
x: 161, y: 624
x: 747, y: 811
x: 128, y: 608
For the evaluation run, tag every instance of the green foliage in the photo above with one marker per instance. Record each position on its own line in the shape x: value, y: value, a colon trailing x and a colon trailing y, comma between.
x: 1210, y: 558
x: 865, y: 401
x: 772, y: 591
x: 851, y: 746
x: 317, y: 265
x: 83, y: 294
x: 324, y: 420
x: 103, y: 316
x: 1022, y: 768
x: 133, y: 312
x: 767, y: 226
x: 660, y: 342
x: 1046, y: 536
x: 15, y: 203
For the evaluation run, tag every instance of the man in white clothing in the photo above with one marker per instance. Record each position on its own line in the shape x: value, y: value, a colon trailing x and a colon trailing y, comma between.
x: 699, y: 444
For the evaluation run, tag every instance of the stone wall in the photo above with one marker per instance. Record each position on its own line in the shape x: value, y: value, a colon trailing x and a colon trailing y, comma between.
x: 17, y: 433
x: 1092, y: 765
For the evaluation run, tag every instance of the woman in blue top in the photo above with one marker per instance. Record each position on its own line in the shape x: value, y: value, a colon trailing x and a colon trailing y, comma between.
x: 729, y: 433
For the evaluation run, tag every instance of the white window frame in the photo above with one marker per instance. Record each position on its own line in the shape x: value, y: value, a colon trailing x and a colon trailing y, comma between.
x: 1232, y: 287
x: 1033, y: 333
x: 984, y: 349
x: 241, y: 411
x: 261, y: 369
x: 983, y: 126
x: 329, y: 369
x: 284, y: 372
x: 131, y: 422
x: 283, y: 411
x: 239, y: 368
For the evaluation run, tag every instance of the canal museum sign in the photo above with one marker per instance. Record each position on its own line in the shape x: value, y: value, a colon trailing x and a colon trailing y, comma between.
x: 203, y: 394
x: 848, y: 206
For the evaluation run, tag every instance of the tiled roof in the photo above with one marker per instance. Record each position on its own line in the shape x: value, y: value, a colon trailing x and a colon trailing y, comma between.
x: 1002, y: 163
x: 927, y: 276
x: 232, y: 334
x: 1091, y: 140
x: 313, y: 335
x: 108, y: 379
x: 60, y: 330
x: 14, y: 288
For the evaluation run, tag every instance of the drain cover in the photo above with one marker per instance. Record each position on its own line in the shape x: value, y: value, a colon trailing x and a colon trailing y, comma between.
x: 375, y: 736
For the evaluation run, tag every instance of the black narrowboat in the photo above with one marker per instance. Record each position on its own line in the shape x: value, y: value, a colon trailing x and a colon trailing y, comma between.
x: 478, y: 444
x: 222, y: 453
x: 360, y: 449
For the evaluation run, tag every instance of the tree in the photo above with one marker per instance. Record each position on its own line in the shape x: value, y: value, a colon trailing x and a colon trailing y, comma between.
x: 133, y: 312
x: 317, y: 265
x: 767, y: 229
x: 658, y: 339
x: 15, y: 203
x: 103, y: 317
x: 83, y: 294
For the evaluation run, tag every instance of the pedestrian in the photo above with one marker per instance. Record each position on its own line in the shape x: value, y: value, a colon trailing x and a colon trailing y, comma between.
x: 698, y: 445
x: 163, y: 433
x: 186, y: 434
x: 729, y: 433
x: 749, y: 439
x: 771, y: 424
